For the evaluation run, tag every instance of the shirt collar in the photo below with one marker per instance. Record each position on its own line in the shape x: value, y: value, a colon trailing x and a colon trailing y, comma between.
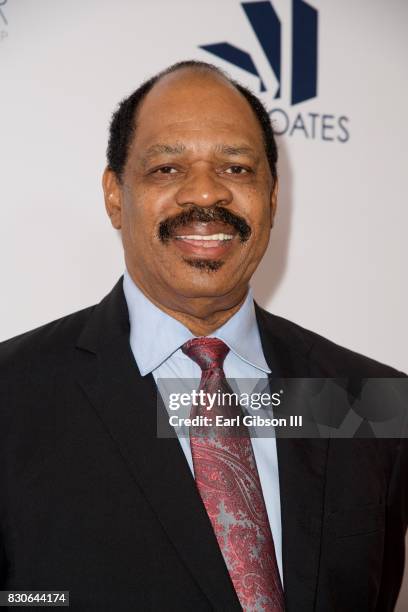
x: 155, y: 335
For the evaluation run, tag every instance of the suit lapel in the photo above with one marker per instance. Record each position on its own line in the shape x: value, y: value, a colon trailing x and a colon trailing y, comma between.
x: 302, y: 476
x: 126, y: 403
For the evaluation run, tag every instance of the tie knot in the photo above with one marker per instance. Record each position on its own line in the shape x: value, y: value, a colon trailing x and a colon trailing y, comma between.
x: 208, y: 353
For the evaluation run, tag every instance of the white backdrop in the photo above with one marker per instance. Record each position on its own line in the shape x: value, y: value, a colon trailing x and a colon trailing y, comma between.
x: 338, y: 253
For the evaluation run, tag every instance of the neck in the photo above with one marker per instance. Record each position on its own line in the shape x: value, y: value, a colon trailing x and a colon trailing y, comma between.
x: 201, y: 316
x: 204, y: 325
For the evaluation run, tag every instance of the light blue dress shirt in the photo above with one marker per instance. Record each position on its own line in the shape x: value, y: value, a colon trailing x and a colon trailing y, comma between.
x: 155, y: 340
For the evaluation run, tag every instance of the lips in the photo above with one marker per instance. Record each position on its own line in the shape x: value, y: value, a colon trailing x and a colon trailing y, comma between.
x: 204, y: 229
x: 212, y: 239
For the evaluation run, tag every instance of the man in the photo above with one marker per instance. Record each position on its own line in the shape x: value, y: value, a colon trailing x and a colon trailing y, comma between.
x: 93, y: 501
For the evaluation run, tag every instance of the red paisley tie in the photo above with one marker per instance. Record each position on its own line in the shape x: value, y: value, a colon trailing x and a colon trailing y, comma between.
x: 228, y: 481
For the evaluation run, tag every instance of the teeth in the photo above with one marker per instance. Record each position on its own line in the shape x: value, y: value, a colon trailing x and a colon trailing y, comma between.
x: 211, y: 237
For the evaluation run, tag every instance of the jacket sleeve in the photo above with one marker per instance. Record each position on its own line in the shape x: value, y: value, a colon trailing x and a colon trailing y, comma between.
x: 395, y: 532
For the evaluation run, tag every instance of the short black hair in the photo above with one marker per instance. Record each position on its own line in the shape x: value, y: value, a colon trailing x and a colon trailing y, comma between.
x: 123, y: 121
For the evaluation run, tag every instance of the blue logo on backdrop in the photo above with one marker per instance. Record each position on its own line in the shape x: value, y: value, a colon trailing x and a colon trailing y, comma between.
x: 304, y: 68
x: 2, y: 15
x: 3, y: 20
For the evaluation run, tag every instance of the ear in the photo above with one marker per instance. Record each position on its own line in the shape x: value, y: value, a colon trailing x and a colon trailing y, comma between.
x: 274, y: 200
x: 113, y: 197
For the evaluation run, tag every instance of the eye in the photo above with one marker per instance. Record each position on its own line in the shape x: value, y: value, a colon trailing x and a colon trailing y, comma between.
x: 237, y: 170
x: 165, y: 170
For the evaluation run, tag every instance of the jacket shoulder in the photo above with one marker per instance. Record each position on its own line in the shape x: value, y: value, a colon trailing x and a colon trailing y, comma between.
x: 44, y: 342
x: 334, y: 360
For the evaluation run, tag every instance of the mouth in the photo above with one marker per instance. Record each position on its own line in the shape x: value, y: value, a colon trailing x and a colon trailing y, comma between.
x: 205, y: 240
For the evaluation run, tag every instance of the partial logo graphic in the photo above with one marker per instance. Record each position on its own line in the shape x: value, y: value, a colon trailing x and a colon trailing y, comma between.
x: 303, y: 76
x: 3, y: 21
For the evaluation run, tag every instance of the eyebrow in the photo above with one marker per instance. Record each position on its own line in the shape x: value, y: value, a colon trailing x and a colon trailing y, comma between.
x: 158, y: 149
x: 178, y: 148
x: 235, y: 150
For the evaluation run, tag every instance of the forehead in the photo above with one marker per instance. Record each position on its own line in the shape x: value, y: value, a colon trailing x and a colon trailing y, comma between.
x: 198, y: 109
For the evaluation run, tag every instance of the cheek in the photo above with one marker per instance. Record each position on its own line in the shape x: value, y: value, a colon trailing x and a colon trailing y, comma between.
x: 258, y: 214
x: 261, y: 229
x: 139, y: 220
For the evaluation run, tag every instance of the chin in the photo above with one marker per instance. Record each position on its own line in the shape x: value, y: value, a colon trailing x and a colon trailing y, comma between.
x: 205, y: 265
x: 207, y: 284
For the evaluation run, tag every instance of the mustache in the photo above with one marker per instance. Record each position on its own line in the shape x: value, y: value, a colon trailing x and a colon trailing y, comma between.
x: 203, y: 215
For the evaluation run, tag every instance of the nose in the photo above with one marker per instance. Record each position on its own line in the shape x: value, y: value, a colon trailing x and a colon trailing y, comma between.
x: 203, y: 188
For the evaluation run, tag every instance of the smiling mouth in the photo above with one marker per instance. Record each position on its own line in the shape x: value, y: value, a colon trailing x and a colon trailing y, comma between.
x: 207, y: 242
x: 211, y: 239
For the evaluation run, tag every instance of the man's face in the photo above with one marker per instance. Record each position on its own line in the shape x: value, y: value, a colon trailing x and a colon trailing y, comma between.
x: 197, y: 201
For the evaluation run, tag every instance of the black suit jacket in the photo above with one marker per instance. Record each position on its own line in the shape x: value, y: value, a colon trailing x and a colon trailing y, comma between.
x: 93, y: 502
